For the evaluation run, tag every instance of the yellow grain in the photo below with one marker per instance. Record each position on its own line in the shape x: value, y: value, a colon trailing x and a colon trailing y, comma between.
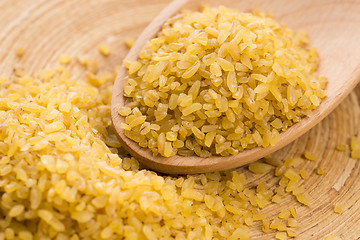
x: 260, y: 168
x: 64, y: 59
x: 355, y: 147
x: 129, y: 42
x: 104, y: 49
x: 20, y: 51
x: 338, y: 208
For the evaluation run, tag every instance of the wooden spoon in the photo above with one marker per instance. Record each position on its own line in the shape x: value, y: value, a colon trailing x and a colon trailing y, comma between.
x: 334, y: 29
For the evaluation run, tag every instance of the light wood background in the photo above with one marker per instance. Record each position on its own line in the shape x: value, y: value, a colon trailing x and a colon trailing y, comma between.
x: 49, y: 28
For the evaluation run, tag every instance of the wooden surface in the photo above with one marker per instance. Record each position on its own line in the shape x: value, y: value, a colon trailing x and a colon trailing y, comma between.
x: 331, y: 27
x: 48, y: 28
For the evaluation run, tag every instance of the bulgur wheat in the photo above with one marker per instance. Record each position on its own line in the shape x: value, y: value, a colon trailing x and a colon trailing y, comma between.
x: 61, y: 176
x: 219, y: 81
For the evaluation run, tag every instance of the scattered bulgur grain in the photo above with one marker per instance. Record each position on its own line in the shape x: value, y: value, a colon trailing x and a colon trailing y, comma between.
x: 304, y: 174
x: 277, y: 198
x: 292, y: 175
x: 260, y: 168
x: 266, y: 225
x: 281, y: 236
x: 284, y: 214
x: 342, y: 148
x: 355, y: 147
x: 104, y: 49
x: 20, y: 51
x: 82, y: 60
x: 64, y: 59
x: 310, y: 156
x: 274, y: 162
x: 278, y: 224
x: 293, y: 212
x: 90, y: 64
x: 338, y: 208
x: 291, y: 232
x: 60, y: 69
x: 304, y: 199
x: 19, y: 72
x: 292, y: 222
x: 47, y: 74
x: 297, y: 190
x: 129, y: 42
x: 293, y: 162
x: 279, y: 171
x: 320, y: 171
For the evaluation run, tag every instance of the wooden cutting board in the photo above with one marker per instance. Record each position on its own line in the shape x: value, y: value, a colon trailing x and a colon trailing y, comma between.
x: 48, y: 28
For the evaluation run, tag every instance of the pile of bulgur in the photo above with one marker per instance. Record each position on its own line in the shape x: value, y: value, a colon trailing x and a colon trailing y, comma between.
x: 64, y: 175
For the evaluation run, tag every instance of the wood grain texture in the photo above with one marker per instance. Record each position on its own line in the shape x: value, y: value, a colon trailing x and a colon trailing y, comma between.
x: 330, y: 25
x: 47, y: 29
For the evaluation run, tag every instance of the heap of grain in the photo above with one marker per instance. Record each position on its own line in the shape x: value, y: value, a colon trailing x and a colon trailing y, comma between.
x: 217, y: 82
x: 61, y: 176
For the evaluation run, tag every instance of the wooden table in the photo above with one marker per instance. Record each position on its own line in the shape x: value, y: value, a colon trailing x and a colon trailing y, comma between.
x: 48, y: 28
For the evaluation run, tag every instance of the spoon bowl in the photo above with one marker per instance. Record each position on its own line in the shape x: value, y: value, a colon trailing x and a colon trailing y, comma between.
x: 333, y: 28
